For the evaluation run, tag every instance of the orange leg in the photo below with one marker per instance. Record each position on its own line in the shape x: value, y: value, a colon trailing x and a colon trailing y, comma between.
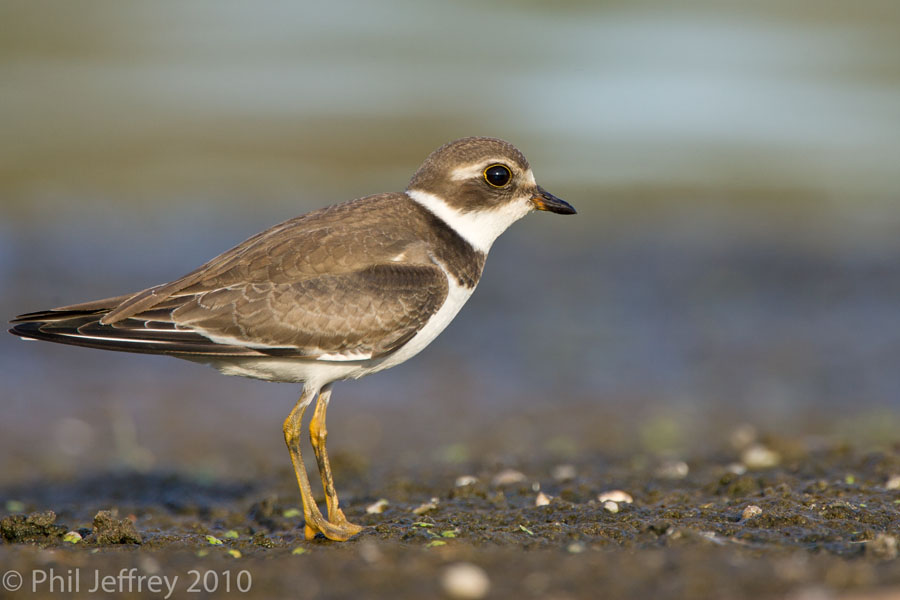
x: 293, y: 432
x: 318, y: 433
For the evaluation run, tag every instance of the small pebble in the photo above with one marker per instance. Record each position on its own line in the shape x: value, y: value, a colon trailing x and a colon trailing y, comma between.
x: 563, y: 472
x: 615, y: 496
x: 893, y: 482
x: 370, y: 552
x: 428, y: 506
x: 148, y: 565
x: 542, y: 499
x: 611, y: 506
x: 376, y: 508
x: 743, y: 436
x: 465, y: 581
x: 758, y: 456
x: 675, y: 469
x: 508, y: 477
x: 884, y: 546
x: 464, y: 480
x: 736, y: 468
x: 750, y: 511
x: 73, y: 537
x: 575, y: 548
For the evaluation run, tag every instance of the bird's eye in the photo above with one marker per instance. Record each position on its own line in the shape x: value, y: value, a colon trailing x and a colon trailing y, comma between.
x: 497, y: 175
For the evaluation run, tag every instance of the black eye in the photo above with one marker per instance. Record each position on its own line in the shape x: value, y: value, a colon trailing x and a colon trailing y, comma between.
x: 497, y: 175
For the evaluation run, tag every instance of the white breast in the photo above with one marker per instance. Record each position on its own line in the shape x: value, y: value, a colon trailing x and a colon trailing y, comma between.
x: 456, y: 297
x: 478, y: 227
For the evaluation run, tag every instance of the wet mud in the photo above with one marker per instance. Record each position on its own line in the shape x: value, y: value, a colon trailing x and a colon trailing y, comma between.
x: 780, y: 519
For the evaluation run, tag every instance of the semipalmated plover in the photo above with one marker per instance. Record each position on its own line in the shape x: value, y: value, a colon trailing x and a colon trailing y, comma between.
x: 334, y: 294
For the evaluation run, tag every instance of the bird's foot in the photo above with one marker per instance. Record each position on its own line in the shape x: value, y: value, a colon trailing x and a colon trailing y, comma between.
x: 339, y: 531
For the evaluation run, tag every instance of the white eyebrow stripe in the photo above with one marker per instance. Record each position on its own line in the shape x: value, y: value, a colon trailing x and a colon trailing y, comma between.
x: 470, y: 171
x: 473, y: 171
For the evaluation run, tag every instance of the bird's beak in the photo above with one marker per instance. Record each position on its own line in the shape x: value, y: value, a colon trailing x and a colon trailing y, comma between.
x: 544, y: 200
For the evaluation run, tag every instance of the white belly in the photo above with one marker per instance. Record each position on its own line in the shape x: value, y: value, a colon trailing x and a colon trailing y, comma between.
x: 456, y: 297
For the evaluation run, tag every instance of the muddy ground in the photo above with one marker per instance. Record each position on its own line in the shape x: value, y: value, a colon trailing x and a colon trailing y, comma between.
x: 826, y: 524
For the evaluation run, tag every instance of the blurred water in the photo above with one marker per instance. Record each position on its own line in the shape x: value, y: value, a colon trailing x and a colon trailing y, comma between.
x: 734, y: 167
x: 109, y: 97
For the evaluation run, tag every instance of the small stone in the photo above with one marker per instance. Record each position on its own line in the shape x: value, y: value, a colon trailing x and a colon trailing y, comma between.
x: 426, y: 507
x: 563, y: 472
x: 611, y: 506
x: 464, y: 480
x: 884, y: 546
x: 673, y: 469
x: 742, y: 436
x: 73, y: 537
x: 615, y: 496
x: 508, y: 477
x: 542, y: 499
x: 465, y: 581
x: 758, y: 456
x: 299, y: 550
x: 736, y: 468
x: 213, y: 540
x: 893, y: 482
x: 234, y: 552
x: 148, y: 565
x: 370, y: 552
x: 377, y: 507
x: 575, y: 548
x: 750, y: 511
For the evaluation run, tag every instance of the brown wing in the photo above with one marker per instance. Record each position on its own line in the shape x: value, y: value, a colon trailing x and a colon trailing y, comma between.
x: 352, y: 316
x: 348, y: 316
x: 340, y: 239
x: 326, y: 283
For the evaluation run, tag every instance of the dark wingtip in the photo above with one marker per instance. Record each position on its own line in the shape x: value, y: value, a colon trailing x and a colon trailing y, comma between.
x: 54, y: 315
x: 27, y: 329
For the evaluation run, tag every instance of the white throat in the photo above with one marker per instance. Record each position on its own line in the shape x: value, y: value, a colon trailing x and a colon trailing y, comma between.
x: 478, y: 227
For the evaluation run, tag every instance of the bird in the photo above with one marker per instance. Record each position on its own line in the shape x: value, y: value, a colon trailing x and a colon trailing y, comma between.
x: 334, y: 294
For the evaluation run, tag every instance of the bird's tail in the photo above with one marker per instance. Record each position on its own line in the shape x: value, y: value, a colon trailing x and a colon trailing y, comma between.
x: 149, y: 332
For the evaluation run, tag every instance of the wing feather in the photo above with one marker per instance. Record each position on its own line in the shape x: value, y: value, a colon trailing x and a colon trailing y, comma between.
x: 348, y: 282
x: 351, y: 316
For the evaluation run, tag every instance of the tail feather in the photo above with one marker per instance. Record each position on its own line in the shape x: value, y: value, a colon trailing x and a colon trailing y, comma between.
x: 146, y: 334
